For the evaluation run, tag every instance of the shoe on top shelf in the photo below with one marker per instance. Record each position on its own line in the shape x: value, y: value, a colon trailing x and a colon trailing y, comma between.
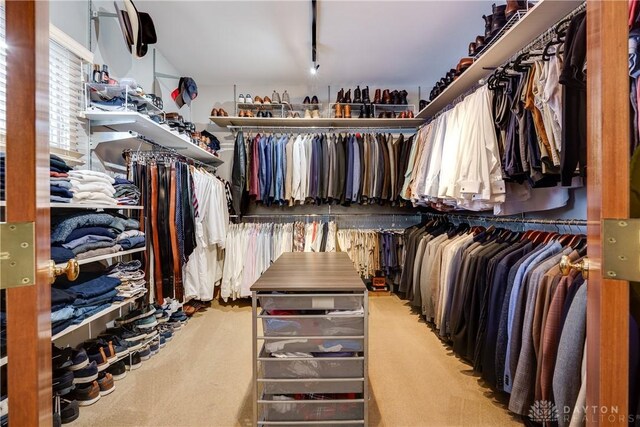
x: 285, y: 97
x: 266, y: 100
x: 241, y: 99
x: 275, y: 97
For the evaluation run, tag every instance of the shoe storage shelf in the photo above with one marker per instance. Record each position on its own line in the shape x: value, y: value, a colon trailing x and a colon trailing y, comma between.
x: 538, y: 19
x: 376, y: 109
x: 314, y: 307
x: 318, y: 123
x: 114, y: 131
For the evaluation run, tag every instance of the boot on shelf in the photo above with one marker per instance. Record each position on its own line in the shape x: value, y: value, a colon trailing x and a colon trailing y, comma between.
x: 357, y: 95
x: 377, y: 98
x: 338, y: 108
x: 365, y: 95
x: 340, y: 97
x: 347, y: 97
x: 347, y: 111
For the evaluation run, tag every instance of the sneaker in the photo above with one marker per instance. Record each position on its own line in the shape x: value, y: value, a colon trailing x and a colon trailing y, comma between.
x: 60, y: 357
x: 120, y: 346
x: 69, y: 410
x: 96, y: 354
x: 129, y: 334
x: 147, y: 322
x: 86, y: 374
x: 241, y: 99
x: 285, y: 98
x: 118, y: 370
x: 87, y: 394
x: 135, y: 315
x: 79, y: 359
x: 176, y: 325
x: 248, y: 99
x: 166, y: 332
x: 275, y: 97
x: 151, y: 333
x: 62, y: 381
x: 145, y: 353
x: 163, y: 342
x: 171, y: 306
x: 133, y: 361
x: 105, y: 382
x: 163, y: 317
x: 154, y: 347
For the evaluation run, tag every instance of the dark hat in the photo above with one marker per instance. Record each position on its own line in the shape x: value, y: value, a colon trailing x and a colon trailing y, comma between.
x: 137, y: 28
x: 186, y: 91
x: 214, y: 143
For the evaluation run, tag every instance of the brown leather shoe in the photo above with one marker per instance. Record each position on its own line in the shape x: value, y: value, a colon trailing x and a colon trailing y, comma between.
x: 214, y: 112
x: 390, y: 115
x: 386, y: 97
x: 409, y: 114
x: 381, y: 115
x: 222, y: 113
x: 347, y: 111
x: 403, y: 115
x: 347, y: 97
x: 257, y: 100
x: 377, y: 97
x: 266, y: 100
x: 338, y: 111
x: 242, y: 113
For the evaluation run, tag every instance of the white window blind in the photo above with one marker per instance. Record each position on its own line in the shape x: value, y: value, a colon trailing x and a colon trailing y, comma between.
x: 67, y: 64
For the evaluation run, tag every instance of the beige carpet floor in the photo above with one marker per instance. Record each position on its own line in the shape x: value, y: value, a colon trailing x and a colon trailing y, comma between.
x: 203, y: 377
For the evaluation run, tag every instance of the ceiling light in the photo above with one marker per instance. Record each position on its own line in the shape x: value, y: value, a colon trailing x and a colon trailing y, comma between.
x: 314, y: 69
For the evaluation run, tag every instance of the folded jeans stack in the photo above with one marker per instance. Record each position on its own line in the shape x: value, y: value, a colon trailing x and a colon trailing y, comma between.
x: 92, y: 187
x: 59, y: 182
x: 72, y: 302
x: 131, y: 239
x: 131, y: 276
x: 86, y: 235
x: 126, y: 192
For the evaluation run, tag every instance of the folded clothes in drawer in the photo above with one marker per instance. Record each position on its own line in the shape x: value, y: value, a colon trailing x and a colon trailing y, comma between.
x: 313, y: 326
x: 288, y: 408
x: 310, y: 345
x: 305, y: 386
x: 311, y: 302
x: 332, y: 366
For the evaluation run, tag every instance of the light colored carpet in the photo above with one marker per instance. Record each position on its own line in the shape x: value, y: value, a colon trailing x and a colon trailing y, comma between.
x: 203, y: 377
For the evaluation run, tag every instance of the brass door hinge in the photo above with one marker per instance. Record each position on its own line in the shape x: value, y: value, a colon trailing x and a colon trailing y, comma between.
x: 17, y: 254
x: 621, y: 249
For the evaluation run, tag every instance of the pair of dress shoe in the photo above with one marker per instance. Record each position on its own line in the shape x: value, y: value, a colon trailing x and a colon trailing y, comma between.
x: 293, y: 115
x: 311, y: 114
x: 343, y: 111
x: 360, y: 96
x: 265, y: 113
x: 219, y: 113
x: 312, y: 100
x: 406, y: 114
x: 245, y: 113
x: 366, y: 111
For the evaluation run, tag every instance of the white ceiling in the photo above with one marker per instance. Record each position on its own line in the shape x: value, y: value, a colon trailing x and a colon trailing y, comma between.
x: 403, y: 43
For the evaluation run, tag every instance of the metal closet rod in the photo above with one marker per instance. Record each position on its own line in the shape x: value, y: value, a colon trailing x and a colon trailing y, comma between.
x: 307, y: 129
x: 576, y: 222
x: 165, y: 151
x: 322, y: 215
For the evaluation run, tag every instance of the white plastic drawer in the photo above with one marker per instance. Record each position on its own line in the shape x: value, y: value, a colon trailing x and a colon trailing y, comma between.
x: 314, y: 345
x: 311, y: 302
x: 316, y: 367
x: 313, y: 326
x: 310, y: 410
x: 307, y: 386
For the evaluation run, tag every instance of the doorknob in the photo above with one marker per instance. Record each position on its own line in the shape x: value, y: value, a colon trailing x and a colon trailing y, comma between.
x: 71, y: 270
x: 566, y: 265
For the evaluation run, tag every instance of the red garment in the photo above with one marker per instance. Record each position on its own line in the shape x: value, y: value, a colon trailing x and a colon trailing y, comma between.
x: 58, y: 174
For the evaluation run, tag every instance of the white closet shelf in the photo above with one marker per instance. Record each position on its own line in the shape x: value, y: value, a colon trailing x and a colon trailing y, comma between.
x: 321, y: 122
x: 92, y: 206
x: 105, y: 257
x: 98, y: 315
x: 539, y: 19
x: 128, y: 121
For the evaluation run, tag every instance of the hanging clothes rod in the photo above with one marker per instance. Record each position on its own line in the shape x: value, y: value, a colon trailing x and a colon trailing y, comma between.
x: 165, y: 151
x: 324, y: 215
x: 497, y: 219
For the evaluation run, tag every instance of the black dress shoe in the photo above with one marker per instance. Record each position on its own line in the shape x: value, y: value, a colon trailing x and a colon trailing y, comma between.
x: 367, y: 111
x: 395, y: 97
x: 306, y: 100
x: 347, y: 97
x: 403, y: 97
x: 423, y: 104
x: 260, y: 114
x: 314, y: 100
x: 357, y: 95
x: 365, y: 95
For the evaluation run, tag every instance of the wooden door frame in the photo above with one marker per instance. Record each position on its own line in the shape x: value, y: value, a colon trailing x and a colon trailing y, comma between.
x: 607, y: 197
x: 27, y: 193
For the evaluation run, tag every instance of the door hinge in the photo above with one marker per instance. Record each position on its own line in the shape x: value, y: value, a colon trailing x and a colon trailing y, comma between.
x: 17, y: 254
x: 621, y: 249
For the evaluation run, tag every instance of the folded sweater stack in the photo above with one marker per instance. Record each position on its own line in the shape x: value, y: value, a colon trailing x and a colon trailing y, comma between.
x: 126, y: 192
x: 59, y: 182
x: 131, y: 277
x: 92, y: 187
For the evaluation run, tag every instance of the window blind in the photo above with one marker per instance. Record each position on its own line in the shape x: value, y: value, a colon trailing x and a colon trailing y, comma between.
x: 68, y: 61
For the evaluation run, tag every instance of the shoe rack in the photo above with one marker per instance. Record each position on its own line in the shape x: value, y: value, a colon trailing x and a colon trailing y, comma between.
x: 536, y: 21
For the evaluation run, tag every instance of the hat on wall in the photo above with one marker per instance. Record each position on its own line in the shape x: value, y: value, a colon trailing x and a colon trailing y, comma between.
x: 186, y: 91
x: 137, y: 28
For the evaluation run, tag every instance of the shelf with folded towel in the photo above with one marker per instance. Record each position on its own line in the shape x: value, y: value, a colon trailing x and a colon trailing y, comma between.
x: 113, y: 307
x: 122, y: 122
x: 105, y: 257
x: 93, y: 206
x: 321, y: 122
x: 539, y: 19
